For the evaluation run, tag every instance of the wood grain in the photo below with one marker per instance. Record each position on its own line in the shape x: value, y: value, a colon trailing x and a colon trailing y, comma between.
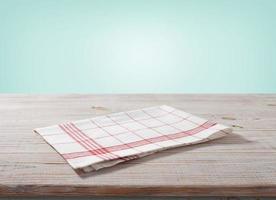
x: 241, y: 164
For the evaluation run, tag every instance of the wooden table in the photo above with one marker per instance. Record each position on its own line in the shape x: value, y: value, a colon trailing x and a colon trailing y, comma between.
x: 241, y: 164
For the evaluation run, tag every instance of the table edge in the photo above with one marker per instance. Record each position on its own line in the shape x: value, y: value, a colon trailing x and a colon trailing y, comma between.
x: 128, y: 191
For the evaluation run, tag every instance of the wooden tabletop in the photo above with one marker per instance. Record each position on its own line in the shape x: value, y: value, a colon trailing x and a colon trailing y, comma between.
x: 241, y: 164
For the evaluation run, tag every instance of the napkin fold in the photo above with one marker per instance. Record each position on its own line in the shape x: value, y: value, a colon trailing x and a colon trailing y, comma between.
x: 104, y: 141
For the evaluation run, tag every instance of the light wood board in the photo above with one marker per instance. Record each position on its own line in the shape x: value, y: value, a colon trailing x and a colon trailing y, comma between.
x: 241, y: 164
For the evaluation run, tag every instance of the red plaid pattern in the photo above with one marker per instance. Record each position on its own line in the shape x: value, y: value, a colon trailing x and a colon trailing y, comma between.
x: 104, y: 141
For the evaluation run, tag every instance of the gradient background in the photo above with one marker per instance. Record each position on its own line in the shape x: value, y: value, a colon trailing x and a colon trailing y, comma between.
x: 141, y: 46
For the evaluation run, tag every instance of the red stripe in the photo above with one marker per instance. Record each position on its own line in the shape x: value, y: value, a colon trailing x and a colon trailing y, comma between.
x: 78, y: 138
x: 88, y: 139
x: 91, y: 142
x: 193, y: 131
x: 102, y: 149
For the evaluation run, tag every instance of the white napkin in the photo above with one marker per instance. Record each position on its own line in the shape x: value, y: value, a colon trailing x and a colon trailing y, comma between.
x: 104, y: 141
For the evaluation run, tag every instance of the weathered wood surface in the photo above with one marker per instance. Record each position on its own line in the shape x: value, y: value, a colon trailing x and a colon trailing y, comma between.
x: 241, y: 164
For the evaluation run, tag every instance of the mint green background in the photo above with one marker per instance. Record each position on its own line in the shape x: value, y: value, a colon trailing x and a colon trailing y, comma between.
x: 105, y: 46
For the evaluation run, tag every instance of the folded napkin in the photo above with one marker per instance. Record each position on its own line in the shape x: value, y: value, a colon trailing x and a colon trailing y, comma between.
x: 103, y: 141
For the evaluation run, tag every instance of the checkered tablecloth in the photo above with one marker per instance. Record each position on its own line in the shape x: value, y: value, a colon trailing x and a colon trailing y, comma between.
x: 104, y: 141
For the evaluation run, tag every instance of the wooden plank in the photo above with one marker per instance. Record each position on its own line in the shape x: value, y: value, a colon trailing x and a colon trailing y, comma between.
x: 241, y: 164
